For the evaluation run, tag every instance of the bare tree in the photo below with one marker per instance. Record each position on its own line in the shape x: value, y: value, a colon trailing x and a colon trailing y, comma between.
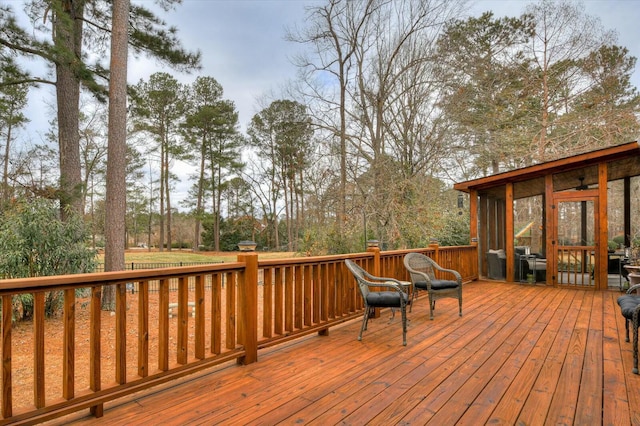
x: 368, y: 78
x: 334, y: 32
x: 394, y: 63
x: 564, y: 34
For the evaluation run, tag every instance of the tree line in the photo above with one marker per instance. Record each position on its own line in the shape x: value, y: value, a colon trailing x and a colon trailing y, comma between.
x: 395, y: 100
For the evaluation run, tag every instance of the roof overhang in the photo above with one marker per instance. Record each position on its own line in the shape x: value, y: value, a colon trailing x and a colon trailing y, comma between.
x: 568, y: 172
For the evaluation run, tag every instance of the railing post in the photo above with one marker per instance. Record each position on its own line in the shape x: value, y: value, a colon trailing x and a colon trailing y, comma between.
x: 248, y: 308
x: 475, y: 265
x: 433, y: 245
x: 376, y: 260
x: 376, y: 270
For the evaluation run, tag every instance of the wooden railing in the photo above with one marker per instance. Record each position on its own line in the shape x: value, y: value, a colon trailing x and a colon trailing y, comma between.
x: 219, y: 313
x: 576, y: 265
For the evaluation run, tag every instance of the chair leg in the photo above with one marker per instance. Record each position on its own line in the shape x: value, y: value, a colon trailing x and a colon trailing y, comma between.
x: 626, y: 327
x: 365, y: 319
x: 460, y: 307
x: 432, y: 306
x: 635, y: 343
x: 404, y: 326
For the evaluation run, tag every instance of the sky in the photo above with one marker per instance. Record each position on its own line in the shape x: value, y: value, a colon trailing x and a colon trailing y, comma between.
x: 243, y: 47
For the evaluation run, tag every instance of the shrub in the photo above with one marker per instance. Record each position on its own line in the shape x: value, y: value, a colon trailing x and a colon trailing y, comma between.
x: 34, y: 242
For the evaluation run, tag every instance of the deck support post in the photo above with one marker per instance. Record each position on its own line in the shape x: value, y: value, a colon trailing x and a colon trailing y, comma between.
x: 248, y: 308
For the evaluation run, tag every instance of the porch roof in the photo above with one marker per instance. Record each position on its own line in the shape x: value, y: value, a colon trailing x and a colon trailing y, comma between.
x: 567, y: 172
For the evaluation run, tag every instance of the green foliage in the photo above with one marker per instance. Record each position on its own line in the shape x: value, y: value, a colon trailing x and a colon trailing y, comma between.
x: 319, y: 240
x: 455, y: 231
x: 211, y: 130
x: 618, y: 239
x: 281, y: 135
x: 489, y: 88
x: 148, y: 35
x: 34, y: 242
x: 232, y: 231
x: 337, y: 243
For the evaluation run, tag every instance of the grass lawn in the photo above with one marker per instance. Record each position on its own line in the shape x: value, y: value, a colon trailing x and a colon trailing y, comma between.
x: 175, y: 256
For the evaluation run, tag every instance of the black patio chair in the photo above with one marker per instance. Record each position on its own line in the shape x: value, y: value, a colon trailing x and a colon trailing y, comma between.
x: 393, y: 296
x: 630, y: 309
x: 421, y: 269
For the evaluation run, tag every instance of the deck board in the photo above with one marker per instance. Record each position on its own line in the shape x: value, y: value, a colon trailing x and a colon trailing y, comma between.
x: 519, y: 355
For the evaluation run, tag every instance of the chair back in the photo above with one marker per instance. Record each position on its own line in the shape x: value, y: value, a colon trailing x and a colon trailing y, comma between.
x: 358, y: 273
x: 418, y: 262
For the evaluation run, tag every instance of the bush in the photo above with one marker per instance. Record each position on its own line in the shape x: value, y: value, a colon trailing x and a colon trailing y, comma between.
x: 34, y: 242
x: 455, y: 231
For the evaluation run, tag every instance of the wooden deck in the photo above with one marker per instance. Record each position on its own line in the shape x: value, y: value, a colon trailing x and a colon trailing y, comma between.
x: 521, y: 354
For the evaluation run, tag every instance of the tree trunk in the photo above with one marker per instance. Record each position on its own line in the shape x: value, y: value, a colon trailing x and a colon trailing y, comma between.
x: 200, y: 198
x: 168, y: 200
x: 161, y: 215
x: 116, y: 151
x: 68, y: 35
x: 215, y: 200
x: 5, y: 173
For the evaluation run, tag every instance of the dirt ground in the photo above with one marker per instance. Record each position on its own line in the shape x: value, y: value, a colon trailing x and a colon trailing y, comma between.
x: 22, y: 349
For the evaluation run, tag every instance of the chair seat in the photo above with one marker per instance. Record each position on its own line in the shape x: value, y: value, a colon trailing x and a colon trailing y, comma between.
x: 628, y: 304
x: 384, y: 299
x: 436, y: 284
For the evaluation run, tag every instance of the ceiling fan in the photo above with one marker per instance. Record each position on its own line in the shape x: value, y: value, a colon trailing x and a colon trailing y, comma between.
x: 582, y: 185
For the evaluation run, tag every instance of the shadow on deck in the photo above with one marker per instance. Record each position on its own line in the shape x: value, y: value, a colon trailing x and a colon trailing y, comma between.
x: 519, y: 355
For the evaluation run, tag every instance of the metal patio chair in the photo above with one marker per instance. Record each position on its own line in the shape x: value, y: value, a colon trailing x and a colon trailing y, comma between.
x: 393, y: 296
x: 421, y: 269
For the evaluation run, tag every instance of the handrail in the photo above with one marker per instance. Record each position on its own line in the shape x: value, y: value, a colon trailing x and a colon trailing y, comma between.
x: 180, y: 320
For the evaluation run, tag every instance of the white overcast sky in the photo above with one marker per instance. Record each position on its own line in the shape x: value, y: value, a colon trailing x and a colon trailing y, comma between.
x: 243, y: 46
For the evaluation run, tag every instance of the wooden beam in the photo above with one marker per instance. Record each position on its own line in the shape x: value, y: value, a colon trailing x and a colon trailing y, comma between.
x: 509, y: 232
x: 627, y: 212
x: 563, y: 164
x: 549, y: 230
x: 483, y: 238
x: 121, y: 333
x: 38, y: 352
x: 248, y: 308
x: 7, y: 397
x: 69, y: 362
x: 602, y: 224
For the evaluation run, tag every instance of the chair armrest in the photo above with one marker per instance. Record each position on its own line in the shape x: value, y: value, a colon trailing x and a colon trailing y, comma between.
x: 390, y: 283
x: 451, y: 271
x: 380, y: 279
x: 633, y: 288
